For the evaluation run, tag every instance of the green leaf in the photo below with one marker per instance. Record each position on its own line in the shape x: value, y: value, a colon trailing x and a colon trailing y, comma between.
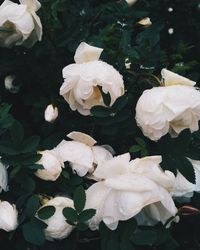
x: 6, y: 147
x: 100, y: 111
x: 135, y: 148
x: 186, y: 169
x: 147, y: 237
x: 140, y: 142
x: 30, y: 144
x: 79, y: 199
x: 33, y: 232
x: 106, y: 97
x: 17, y: 133
x: 120, y: 103
x: 46, y: 212
x: 70, y: 214
x: 86, y: 215
x: 32, y: 205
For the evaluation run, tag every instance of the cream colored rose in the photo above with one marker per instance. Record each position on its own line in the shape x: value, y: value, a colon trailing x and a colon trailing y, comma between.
x: 125, y: 190
x: 57, y: 227
x: 52, y: 164
x: 168, y: 109
x: 51, y: 113
x: 83, y: 79
x: 8, y: 216
x: 19, y: 23
x: 81, y: 153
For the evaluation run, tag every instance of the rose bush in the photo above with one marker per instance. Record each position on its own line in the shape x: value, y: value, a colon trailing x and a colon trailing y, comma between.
x: 120, y: 79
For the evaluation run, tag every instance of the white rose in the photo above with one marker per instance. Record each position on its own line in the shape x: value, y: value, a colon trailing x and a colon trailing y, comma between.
x: 182, y: 187
x: 168, y: 109
x: 145, y: 22
x: 8, y: 216
x: 19, y: 23
x: 131, y: 2
x: 123, y: 193
x: 52, y: 164
x: 51, y: 113
x: 57, y: 227
x: 81, y: 80
x: 170, y: 78
x: 81, y: 153
x: 3, y: 177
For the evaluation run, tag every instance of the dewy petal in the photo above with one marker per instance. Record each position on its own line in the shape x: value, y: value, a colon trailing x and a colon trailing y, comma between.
x: 82, y: 137
x: 171, y: 78
x: 101, y: 155
x: 150, y: 168
x: 95, y: 197
x: 86, y: 53
x: 115, y: 167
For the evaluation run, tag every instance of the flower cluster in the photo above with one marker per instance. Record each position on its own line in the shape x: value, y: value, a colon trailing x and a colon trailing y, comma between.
x: 118, y: 188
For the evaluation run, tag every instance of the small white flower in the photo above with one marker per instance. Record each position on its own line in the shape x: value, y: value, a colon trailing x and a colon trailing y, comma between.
x: 164, y: 109
x: 3, y: 177
x: 83, y: 79
x: 52, y: 164
x: 131, y: 2
x: 125, y: 190
x: 170, y: 9
x: 81, y: 153
x: 8, y: 216
x: 51, y: 113
x: 127, y: 63
x: 57, y: 227
x: 19, y: 23
x: 145, y: 22
x: 170, y: 31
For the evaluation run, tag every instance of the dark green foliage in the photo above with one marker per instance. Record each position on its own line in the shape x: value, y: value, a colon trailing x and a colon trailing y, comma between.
x: 113, y: 26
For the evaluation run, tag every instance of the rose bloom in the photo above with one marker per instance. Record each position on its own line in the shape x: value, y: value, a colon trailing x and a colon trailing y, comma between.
x: 81, y: 153
x: 19, y: 23
x: 83, y: 79
x: 57, y: 227
x: 126, y: 189
x: 52, y: 164
x: 8, y: 216
x: 172, y: 109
